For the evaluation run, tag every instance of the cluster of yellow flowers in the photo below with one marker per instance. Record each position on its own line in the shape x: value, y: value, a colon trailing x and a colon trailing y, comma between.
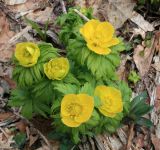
x: 27, y: 53
x: 77, y: 109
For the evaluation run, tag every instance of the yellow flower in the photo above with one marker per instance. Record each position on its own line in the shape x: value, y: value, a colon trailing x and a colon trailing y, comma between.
x: 76, y: 109
x: 111, y: 100
x: 27, y: 53
x: 57, y: 68
x: 99, y: 36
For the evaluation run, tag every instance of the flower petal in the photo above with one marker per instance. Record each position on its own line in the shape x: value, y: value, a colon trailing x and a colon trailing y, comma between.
x: 106, y: 30
x: 66, y: 101
x: 112, y: 42
x: 89, y: 28
x: 87, y: 103
x: 111, y: 100
x: 70, y: 122
x: 98, y: 50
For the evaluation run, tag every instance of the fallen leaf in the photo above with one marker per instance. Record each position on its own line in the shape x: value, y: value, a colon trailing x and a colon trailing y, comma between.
x: 116, y: 12
x: 11, y: 83
x: 155, y: 141
x: 21, y: 125
x: 5, y: 35
x: 143, y: 24
x: 14, y: 2
x: 41, y: 16
x: 1, y: 91
x: 156, y: 64
x: 33, y: 139
x: 143, y: 57
x: 157, y: 100
x: 29, y: 5
x: 4, y: 116
x: 139, y: 141
x: 139, y: 31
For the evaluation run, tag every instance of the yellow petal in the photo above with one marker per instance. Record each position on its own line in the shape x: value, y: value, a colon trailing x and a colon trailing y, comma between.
x: 66, y: 101
x: 111, y: 100
x: 89, y: 28
x: 106, y: 30
x: 99, y: 50
x: 112, y: 42
x: 70, y: 122
x: 87, y: 103
x: 107, y: 114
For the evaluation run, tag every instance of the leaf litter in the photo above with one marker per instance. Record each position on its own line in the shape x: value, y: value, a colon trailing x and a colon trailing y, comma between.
x: 142, y: 56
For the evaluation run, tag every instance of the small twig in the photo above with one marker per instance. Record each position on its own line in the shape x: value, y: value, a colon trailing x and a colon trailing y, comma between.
x: 63, y: 7
x: 81, y: 15
x: 130, y: 137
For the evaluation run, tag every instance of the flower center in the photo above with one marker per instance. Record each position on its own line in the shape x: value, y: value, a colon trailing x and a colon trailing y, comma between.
x: 74, y: 109
x: 107, y: 101
x: 28, y: 51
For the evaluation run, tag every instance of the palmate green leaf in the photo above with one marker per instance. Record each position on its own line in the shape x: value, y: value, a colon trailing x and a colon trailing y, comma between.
x: 27, y: 109
x: 100, y: 66
x: 66, y: 88
x: 87, y: 88
x: 44, y: 91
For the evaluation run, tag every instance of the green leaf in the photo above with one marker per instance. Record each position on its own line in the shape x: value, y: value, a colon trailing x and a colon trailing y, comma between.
x: 37, y: 28
x: 87, y: 88
x: 138, y: 99
x: 20, y: 139
x: 75, y: 135
x: 27, y: 109
x: 144, y: 122
x: 65, y: 88
x: 97, y: 101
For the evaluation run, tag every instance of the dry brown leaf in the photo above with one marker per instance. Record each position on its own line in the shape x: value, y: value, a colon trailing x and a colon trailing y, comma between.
x: 4, y: 116
x: 14, y: 2
x: 143, y: 57
x: 139, y: 141
x: 32, y: 139
x: 21, y: 125
x: 41, y: 16
x: 29, y: 5
x: 157, y: 100
x: 5, y: 35
x: 11, y: 83
x: 156, y: 142
x: 143, y: 24
x: 116, y: 12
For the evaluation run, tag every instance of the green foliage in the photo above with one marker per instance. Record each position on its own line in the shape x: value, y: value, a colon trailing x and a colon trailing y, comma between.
x: 20, y: 139
x: 101, y: 66
x: 25, y: 99
x: 38, y: 29
x: 140, y: 108
x: 133, y: 77
x: 27, y: 76
x: 70, y: 24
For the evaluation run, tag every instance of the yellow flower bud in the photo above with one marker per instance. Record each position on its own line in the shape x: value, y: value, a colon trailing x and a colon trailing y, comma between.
x: 57, y: 68
x: 111, y: 100
x: 27, y: 53
x: 76, y: 109
x: 99, y: 36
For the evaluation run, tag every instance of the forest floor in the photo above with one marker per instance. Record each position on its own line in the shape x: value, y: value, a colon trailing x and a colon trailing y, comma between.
x: 137, y: 23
